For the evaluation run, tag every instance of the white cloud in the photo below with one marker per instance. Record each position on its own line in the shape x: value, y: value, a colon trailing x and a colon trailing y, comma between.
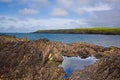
x: 5, y: 0
x: 97, y: 13
x: 82, y: 6
x: 30, y: 25
x: 59, y: 12
x: 28, y: 11
x: 99, y: 7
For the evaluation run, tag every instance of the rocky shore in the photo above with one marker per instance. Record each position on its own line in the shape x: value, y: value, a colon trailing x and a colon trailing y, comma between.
x: 23, y: 59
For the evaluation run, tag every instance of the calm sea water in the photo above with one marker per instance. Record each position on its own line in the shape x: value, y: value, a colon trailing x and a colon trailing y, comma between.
x: 103, y: 40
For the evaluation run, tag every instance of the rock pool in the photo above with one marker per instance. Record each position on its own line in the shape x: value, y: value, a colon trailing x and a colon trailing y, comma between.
x: 70, y: 64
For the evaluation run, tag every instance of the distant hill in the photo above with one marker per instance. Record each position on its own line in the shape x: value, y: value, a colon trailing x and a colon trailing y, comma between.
x: 106, y: 31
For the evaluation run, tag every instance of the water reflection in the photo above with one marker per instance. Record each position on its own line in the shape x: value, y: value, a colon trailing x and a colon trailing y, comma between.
x: 71, y: 64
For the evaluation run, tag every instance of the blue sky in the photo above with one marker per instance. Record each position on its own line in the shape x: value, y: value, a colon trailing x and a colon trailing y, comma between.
x: 31, y: 15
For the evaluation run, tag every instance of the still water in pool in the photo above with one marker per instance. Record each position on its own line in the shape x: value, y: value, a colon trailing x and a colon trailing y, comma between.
x: 70, y: 64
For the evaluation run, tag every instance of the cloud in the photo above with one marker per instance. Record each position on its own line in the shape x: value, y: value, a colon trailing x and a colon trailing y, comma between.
x: 7, y: 1
x: 108, y: 18
x: 65, y: 3
x: 99, y: 7
x: 80, y: 7
x: 27, y: 11
x: 30, y: 24
x: 92, y: 9
x: 80, y: 11
x: 2, y: 18
x: 85, y: 2
x: 59, y: 12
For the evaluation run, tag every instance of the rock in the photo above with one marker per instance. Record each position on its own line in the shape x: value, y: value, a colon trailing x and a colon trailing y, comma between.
x: 43, y: 40
x: 28, y: 60
x: 83, y: 49
x: 22, y: 59
x: 6, y: 38
x: 107, y: 68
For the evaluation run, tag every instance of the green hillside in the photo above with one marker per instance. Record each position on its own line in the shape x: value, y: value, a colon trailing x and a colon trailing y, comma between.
x: 107, y: 31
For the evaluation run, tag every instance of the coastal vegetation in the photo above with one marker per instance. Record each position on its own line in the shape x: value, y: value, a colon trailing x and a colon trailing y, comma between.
x: 100, y: 30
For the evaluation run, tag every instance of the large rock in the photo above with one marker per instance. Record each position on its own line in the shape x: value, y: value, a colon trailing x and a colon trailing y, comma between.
x: 29, y: 60
x: 22, y: 59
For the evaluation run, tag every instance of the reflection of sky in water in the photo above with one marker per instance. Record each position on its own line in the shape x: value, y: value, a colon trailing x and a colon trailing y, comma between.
x: 71, y: 64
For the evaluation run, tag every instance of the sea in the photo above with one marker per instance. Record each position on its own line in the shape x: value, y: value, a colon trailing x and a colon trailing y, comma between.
x: 102, y: 40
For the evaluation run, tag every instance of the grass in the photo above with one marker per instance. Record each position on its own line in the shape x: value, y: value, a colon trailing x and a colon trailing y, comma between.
x: 55, y: 63
x: 99, y: 30
x: 102, y: 30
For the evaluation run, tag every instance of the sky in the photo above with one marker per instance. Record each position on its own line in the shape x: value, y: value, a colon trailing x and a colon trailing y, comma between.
x: 32, y: 15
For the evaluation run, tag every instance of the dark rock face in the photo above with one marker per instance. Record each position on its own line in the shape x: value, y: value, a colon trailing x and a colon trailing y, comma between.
x: 21, y: 59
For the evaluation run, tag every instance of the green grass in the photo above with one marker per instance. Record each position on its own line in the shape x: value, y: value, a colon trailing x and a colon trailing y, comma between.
x: 55, y: 63
x: 99, y: 30
x: 102, y: 30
